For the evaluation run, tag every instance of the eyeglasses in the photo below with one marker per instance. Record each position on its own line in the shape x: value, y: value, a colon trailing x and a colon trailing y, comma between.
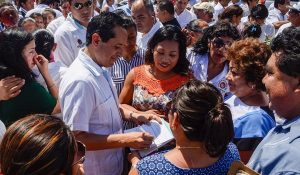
x: 218, y: 42
x: 80, y: 154
x: 79, y: 6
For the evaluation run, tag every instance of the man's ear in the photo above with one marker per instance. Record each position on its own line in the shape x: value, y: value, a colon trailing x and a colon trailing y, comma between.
x: 96, y: 39
x: 298, y: 86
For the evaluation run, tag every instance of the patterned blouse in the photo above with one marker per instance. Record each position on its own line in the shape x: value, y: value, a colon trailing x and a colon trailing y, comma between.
x: 150, y: 93
x: 157, y: 164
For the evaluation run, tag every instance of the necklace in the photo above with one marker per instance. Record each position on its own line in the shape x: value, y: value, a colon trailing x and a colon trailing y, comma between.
x: 188, y: 147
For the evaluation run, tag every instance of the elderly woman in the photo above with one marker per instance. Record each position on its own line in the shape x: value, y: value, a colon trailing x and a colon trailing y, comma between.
x: 251, y: 117
x: 202, y: 126
x: 40, y: 144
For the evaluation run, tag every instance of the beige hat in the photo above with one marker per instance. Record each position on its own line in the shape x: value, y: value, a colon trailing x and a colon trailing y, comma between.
x: 204, y: 6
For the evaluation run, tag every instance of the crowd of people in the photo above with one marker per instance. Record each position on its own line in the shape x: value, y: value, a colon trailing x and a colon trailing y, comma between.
x: 76, y: 74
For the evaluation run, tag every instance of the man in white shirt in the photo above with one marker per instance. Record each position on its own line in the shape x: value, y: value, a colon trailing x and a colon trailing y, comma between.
x: 143, y: 14
x: 182, y: 15
x: 278, y: 16
x: 70, y: 36
x: 89, y: 101
x: 293, y: 17
x: 220, y: 7
x: 41, y: 7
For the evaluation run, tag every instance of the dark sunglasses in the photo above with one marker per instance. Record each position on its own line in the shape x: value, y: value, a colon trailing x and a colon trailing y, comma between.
x: 218, y: 42
x: 79, y: 6
x: 80, y: 154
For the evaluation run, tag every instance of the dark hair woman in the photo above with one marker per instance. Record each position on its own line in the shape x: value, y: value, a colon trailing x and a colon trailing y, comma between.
x: 18, y: 57
x: 40, y: 144
x: 151, y: 86
x: 202, y: 126
x: 207, y: 59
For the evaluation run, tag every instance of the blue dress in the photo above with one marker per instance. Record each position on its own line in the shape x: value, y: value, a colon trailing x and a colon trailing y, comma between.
x: 157, y: 164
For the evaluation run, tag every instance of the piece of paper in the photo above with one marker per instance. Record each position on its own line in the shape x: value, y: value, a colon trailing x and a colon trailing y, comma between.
x: 161, y: 132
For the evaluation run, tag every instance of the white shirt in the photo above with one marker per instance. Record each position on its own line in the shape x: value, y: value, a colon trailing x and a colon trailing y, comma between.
x: 70, y: 38
x: 2, y: 130
x: 185, y: 17
x: 56, y: 71
x: 281, y: 28
x: 40, y: 8
x: 89, y: 103
x: 267, y: 32
x: 218, y: 10
x: 142, y: 40
x: 199, y: 66
x: 276, y: 15
x: 239, y: 108
x: 53, y: 25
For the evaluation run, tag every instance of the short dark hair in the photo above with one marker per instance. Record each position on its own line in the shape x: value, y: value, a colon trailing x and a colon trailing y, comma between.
x: 260, y: 11
x: 103, y: 25
x: 38, y: 144
x: 277, y: 2
x: 47, y: 2
x: 250, y: 55
x: 171, y: 33
x: 204, y: 116
x: 221, y: 28
x: 287, y: 44
x: 229, y: 12
x: 166, y: 5
x: 12, y: 44
x: 44, y: 42
x: 128, y: 22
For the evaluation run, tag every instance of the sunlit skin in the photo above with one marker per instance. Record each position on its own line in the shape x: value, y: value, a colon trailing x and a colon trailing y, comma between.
x: 29, y: 53
x: 83, y: 15
x: 281, y: 89
x: 114, y: 47
x: 180, y: 6
x: 165, y: 55
x: 131, y: 47
x: 48, y: 17
x: 217, y: 58
x: 143, y: 19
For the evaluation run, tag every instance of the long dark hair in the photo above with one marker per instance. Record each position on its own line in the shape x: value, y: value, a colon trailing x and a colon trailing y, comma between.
x: 12, y: 44
x: 202, y: 115
x: 172, y: 33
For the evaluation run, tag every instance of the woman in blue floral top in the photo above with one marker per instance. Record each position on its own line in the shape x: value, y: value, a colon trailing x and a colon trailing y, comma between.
x: 202, y: 126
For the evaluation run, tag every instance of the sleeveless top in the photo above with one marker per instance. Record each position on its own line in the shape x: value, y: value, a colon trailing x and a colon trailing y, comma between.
x: 150, y: 93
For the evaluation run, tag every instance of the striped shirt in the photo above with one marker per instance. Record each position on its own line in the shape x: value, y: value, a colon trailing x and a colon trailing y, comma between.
x: 121, y: 68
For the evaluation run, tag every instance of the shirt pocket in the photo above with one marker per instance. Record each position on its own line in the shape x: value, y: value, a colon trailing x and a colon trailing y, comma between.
x: 108, y: 116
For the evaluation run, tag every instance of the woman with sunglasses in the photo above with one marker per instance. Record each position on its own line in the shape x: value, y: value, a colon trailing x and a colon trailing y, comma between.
x: 252, y: 118
x: 202, y: 126
x: 148, y: 88
x: 207, y: 60
x: 40, y: 144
